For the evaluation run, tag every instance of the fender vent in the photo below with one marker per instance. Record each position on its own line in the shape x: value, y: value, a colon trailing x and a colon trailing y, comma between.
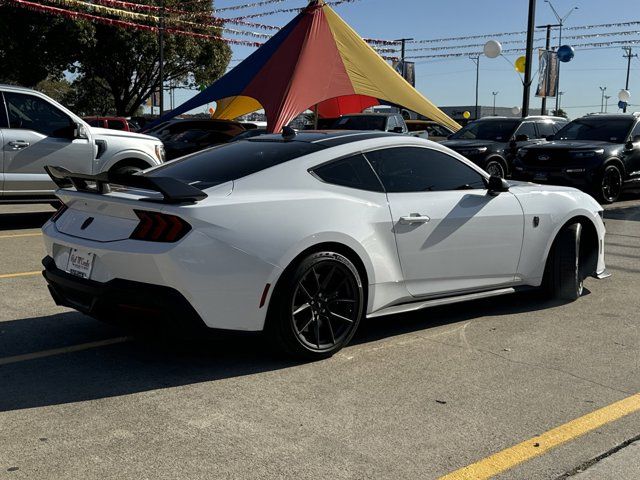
x: 102, y: 147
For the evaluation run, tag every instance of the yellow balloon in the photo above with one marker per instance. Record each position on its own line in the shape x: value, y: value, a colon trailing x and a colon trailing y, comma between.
x: 520, y: 64
x: 466, y: 115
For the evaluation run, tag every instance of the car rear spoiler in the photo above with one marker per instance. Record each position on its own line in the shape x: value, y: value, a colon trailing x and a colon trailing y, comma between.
x: 172, y: 190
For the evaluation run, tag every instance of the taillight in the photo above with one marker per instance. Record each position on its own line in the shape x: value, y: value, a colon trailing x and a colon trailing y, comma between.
x: 63, y: 208
x: 159, y: 227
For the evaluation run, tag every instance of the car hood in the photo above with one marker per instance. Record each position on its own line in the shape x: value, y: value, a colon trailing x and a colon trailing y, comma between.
x: 99, y: 133
x: 570, y: 145
x: 463, y: 143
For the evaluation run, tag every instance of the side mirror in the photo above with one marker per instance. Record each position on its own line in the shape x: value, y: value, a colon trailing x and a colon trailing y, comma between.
x: 80, y: 131
x: 497, y: 185
x: 522, y: 137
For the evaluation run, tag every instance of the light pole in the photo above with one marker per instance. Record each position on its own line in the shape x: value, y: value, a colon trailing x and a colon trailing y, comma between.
x: 561, y: 21
x: 402, y: 51
x: 628, y: 56
x: 543, y: 108
x: 606, y: 102
x: 161, y: 55
x: 495, y: 94
x: 531, y: 25
x: 603, y: 90
x: 476, y: 60
x: 559, y: 103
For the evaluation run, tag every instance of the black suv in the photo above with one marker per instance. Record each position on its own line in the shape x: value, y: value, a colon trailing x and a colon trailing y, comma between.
x: 596, y: 153
x: 492, y: 142
x: 386, y: 122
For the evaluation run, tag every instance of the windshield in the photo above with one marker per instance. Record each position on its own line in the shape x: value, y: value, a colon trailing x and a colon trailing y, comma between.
x: 597, y: 129
x: 361, y: 122
x: 494, y: 130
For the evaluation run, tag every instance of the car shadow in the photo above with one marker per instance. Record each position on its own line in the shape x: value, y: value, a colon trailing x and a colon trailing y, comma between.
x: 20, y: 221
x: 156, y: 362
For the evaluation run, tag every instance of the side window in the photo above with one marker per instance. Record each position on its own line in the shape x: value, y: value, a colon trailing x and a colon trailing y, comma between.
x: 33, y: 113
x: 545, y: 129
x: 557, y: 126
x: 115, y: 124
x: 412, y: 169
x: 528, y: 129
x: 353, y: 172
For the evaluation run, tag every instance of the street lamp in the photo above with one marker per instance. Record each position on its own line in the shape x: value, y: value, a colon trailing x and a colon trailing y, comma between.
x: 495, y: 94
x: 602, y: 89
x: 606, y: 102
x: 561, y: 21
x: 559, y: 103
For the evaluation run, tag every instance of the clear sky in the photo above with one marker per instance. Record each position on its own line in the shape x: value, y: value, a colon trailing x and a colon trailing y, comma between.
x: 452, y: 81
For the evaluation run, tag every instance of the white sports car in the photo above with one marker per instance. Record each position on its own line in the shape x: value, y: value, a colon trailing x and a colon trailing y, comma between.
x: 303, y: 235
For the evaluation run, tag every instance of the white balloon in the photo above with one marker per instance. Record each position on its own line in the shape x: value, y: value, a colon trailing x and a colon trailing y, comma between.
x: 515, y: 110
x: 624, y: 95
x: 492, y: 49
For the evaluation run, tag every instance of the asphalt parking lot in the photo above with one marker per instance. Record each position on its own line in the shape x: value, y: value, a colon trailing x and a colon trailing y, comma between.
x: 513, y: 386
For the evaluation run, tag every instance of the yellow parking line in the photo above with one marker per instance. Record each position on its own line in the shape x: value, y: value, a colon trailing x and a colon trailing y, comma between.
x: 20, y: 274
x: 18, y: 235
x: 512, y: 456
x: 59, y: 351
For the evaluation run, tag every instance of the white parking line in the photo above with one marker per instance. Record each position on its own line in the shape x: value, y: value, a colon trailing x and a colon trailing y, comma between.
x: 62, y: 350
x: 19, y: 235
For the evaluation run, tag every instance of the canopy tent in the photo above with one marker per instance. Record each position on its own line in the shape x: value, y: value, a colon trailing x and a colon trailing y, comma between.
x: 335, y: 107
x: 315, y: 57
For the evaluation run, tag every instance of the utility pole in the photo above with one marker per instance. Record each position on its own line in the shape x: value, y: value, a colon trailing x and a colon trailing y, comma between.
x: 628, y: 56
x: 559, y: 103
x: 603, y: 90
x: 531, y: 25
x: 476, y: 60
x: 402, y: 52
x: 561, y: 21
x: 161, y: 66
x: 495, y: 94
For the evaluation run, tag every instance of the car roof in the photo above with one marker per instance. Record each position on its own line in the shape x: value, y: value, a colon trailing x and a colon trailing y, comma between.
x: 372, y: 114
x: 327, y: 138
x: 610, y: 116
x: 530, y: 117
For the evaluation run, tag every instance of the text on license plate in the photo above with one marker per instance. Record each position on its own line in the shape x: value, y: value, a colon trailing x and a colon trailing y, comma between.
x: 80, y: 263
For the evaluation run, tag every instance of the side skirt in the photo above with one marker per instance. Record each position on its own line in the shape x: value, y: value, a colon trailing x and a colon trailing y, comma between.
x: 420, y: 304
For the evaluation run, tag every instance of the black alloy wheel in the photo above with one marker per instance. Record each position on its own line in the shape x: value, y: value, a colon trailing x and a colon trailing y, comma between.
x: 495, y: 168
x: 321, y: 308
x: 611, y: 184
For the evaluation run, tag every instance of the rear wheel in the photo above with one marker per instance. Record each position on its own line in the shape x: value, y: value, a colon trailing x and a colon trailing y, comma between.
x: 318, y: 307
x: 495, y: 168
x: 127, y: 170
x: 563, y: 278
x: 610, y: 184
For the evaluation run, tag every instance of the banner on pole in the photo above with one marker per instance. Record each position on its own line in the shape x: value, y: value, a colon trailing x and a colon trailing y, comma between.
x: 406, y: 69
x: 547, y: 73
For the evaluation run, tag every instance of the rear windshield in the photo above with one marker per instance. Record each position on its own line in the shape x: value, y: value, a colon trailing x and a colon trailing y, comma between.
x: 494, y: 130
x: 360, y: 123
x: 231, y: 161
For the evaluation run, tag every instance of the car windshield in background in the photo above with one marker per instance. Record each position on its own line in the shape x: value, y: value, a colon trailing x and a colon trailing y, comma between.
x: 231, y: 161
x: 360, y: 123
x: 494, y: 130
x: 598, y: 129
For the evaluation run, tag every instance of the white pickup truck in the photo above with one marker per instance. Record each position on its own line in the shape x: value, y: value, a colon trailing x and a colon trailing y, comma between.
x: 36, y: 131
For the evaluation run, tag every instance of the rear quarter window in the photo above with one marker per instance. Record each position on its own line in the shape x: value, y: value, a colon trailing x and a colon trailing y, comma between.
x: 352, y: 172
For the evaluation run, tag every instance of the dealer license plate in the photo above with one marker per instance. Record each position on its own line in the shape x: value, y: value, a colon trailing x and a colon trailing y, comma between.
x: 80, y: 263
x: 541, y: 177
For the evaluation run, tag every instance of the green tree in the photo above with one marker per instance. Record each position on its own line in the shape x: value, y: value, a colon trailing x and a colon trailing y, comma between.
x: 559, y: 113
x: 34, y: 47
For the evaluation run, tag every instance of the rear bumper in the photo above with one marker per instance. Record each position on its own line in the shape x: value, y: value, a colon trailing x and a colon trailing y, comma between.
x: 120, y: 301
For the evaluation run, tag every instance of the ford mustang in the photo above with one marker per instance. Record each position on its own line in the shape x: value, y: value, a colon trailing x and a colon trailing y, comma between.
x: 304, y: 235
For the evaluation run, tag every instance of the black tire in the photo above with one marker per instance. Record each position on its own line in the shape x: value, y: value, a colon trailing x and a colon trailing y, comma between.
x: 317, y: 307
x: 563, y: 277
x: 495, y: 167
x: 609, y: 184
x: 127, y: 170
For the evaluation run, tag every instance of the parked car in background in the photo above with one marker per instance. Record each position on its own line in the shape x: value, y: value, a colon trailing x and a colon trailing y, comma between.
x: 493, y: 142
x: 596, y: 153
x: 36, y: 131
x: 428, y: 129
x: 385, y: 122
x: 112, y: 123
x: 254, y: 132
x: 184, y: 136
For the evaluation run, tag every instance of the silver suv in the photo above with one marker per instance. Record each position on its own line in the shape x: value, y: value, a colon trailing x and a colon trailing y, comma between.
x: 36, y: 131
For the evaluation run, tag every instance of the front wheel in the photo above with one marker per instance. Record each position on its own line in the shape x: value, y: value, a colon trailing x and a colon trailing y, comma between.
x: 495, y: 168
x: 318, y: 308
x: 610, y: 184
x: 563, y: 277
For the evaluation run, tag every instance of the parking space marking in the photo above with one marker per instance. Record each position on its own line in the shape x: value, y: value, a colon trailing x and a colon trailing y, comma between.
x: 20, y: 274
x: 512, y: 456
x: 19, y: 235
x: 62, y: 350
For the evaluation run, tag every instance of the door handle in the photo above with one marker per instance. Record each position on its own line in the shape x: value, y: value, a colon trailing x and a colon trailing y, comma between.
x: 18, y: 144
x: 414, y: 218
